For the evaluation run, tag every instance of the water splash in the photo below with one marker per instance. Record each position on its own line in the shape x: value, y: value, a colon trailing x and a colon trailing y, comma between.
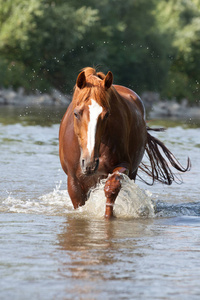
x: 54, y: 203
x: 132, y: 202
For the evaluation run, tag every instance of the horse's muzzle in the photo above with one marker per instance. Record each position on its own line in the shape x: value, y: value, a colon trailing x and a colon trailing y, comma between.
x: 89, y: 168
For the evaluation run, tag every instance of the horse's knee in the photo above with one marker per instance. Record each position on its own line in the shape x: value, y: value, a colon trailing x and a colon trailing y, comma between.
x: 112, y: 186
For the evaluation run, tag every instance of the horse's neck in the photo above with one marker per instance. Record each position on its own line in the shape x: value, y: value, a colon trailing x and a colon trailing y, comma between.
x: 116, y: 102
x: 116, y: 114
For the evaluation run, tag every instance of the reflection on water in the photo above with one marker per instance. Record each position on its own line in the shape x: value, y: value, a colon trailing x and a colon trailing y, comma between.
x: 49, y: 251
x: 77, y: 258
x: 91, y: 251
x: 98, y: 234
x: 143, y: 258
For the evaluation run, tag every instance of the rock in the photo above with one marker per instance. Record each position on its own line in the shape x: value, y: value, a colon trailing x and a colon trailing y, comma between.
x: 20, y: 91
x: 157, y: 108
x: 160, y: 109
x: 173, y: 109
x: 184, y: 103
x: 44, y: 99
x: 10, y: 97
x: 194, y: 112
x: 2, y: 98
x: 150, y: 98
x: 59, y: 98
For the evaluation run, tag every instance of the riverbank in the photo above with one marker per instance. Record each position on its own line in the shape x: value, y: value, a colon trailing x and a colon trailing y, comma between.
x: 156, y: 107
x: 159, y: 108
x: 20, y: 98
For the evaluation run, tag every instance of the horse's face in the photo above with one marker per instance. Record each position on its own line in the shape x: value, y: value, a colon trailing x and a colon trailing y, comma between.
x: 90, y: 118
x: 89, y: 123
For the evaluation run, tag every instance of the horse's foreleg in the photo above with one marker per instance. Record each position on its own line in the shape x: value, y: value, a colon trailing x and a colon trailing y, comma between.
x: 112, y: 188
x: 76, y: 193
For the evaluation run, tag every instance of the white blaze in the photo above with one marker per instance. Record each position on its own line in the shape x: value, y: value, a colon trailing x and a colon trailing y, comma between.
x: 94, y: 110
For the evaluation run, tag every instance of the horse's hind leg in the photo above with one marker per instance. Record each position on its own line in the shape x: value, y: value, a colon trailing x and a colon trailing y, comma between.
x: 112, y: 188
x: 76, y: 193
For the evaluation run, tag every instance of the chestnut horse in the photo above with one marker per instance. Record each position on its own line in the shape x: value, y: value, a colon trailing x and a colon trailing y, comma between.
x: 104, y: 132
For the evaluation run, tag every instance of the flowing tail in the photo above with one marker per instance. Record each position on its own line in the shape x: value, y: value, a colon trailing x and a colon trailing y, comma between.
x: 160, y: 169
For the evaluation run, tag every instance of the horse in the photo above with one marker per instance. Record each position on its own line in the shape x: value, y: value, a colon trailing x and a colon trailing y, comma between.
x: 104, y: 132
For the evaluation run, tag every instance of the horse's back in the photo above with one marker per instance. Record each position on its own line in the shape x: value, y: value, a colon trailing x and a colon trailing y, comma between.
x: 130, y: 96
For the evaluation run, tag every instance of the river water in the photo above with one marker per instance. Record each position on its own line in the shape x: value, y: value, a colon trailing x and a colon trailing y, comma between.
x: 150, y: 250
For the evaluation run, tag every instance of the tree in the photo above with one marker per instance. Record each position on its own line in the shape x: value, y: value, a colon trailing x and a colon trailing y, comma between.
x: 38, y: 34
x: 126, y: 41
x: 148, y: 44
x: 180, y: 20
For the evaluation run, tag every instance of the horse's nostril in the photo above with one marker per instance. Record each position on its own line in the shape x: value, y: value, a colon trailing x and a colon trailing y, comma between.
x: 83, y: 163
x: 96, y: 164
x: 89, y: 167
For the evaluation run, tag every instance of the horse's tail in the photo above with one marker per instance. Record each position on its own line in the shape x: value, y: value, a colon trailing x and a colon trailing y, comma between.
x: 160, y: 167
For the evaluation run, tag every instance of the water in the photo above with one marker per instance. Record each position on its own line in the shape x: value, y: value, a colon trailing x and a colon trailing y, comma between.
x: 151, y: 250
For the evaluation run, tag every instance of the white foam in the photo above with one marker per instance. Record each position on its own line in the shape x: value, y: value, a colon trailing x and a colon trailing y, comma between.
x: 132, y: 202
x: 54, y: 203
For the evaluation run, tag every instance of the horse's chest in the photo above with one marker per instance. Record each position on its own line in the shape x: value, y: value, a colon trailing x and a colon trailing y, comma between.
x: 108, y: 159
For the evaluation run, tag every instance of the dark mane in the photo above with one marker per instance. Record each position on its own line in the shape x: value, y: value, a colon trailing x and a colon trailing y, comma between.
x: 93, y: 89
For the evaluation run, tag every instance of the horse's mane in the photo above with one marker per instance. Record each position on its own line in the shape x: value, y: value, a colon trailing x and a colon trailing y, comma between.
x: 92, y: 89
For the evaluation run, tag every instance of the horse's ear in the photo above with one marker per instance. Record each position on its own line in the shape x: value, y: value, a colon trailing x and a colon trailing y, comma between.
x: 81, y: 80
x: 108, y: 80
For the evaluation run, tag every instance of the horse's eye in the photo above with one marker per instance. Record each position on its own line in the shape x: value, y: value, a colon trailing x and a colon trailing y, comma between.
x: 107, y: 115
x: 76, y: 115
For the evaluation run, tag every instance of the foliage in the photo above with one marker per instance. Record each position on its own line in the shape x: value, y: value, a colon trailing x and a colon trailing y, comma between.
x: 180, y: 20
x: 38, y: 34
x: 149, y: 45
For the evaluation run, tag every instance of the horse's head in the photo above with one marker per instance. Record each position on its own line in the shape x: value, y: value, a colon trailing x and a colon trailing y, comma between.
x: 91, y: 111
